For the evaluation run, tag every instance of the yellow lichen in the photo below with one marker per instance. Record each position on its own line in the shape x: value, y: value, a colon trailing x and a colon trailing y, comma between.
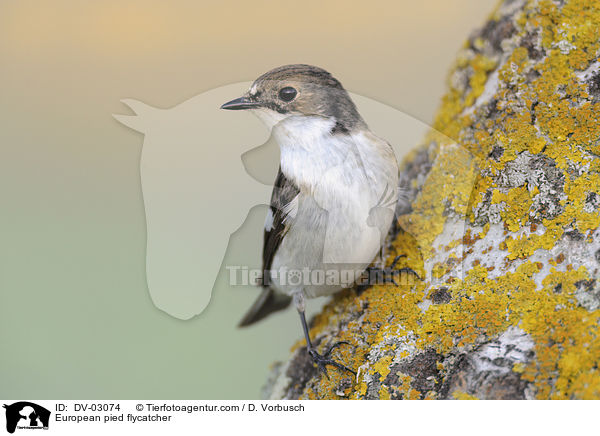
x: 463, y: 396
x: 562, y: 127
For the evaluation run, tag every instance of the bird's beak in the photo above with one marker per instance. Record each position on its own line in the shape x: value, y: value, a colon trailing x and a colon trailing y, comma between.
x: 240, y: 103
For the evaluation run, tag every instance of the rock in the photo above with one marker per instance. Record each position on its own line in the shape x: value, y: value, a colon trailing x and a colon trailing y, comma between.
x: 503, y: 227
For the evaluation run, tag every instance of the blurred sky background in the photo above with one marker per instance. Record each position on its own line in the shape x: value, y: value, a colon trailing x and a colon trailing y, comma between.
x: 76, y: 320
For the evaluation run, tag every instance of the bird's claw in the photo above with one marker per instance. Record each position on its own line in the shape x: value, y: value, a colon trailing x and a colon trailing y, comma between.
x: 388, y: 274
x: 323, y: 360
x: 396, y: 259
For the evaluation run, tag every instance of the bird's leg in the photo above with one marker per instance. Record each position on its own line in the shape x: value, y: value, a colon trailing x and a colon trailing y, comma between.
x: 387, y: 274
x: 321, y: 360
x: 382, y: 257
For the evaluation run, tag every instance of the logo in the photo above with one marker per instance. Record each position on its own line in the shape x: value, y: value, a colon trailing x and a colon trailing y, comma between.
x: 198, y: 198
x: 26, y: 415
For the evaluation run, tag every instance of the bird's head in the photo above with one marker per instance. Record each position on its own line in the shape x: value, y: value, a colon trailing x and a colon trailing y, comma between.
x: 299, y: 91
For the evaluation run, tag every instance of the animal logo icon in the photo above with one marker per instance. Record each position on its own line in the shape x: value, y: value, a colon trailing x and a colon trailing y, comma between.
x: 27, y: 415
x: 200, y: 178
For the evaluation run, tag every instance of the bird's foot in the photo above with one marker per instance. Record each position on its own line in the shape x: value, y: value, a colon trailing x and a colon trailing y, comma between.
x: 325, y: 359
x: 378, y: 275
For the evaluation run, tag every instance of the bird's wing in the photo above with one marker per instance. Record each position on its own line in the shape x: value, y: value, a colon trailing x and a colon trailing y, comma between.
x: 284, y: 203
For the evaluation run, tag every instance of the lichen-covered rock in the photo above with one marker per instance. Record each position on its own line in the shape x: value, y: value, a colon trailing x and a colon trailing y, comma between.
x: 503, y: 227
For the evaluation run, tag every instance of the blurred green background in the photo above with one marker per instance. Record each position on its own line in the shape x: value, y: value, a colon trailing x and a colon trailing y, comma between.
x: 76, y: 320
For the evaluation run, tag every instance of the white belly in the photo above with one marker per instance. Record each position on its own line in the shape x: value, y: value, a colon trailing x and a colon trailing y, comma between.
x: 326, y: 250
x: 333, y: 234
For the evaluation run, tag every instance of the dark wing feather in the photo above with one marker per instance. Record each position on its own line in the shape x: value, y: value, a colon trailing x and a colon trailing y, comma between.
x: 284, y: 192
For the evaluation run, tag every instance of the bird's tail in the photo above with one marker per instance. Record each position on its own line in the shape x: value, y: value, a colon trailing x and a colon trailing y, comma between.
x: 267, y: 302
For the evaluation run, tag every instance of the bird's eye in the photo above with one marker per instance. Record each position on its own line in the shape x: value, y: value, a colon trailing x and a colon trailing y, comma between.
x: 287, y: 94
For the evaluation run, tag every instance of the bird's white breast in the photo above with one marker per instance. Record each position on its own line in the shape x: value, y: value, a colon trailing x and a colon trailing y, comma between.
x: 341, y: 178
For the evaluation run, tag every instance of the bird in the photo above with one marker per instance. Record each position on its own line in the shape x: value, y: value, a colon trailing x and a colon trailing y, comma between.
x: 334, y: 195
